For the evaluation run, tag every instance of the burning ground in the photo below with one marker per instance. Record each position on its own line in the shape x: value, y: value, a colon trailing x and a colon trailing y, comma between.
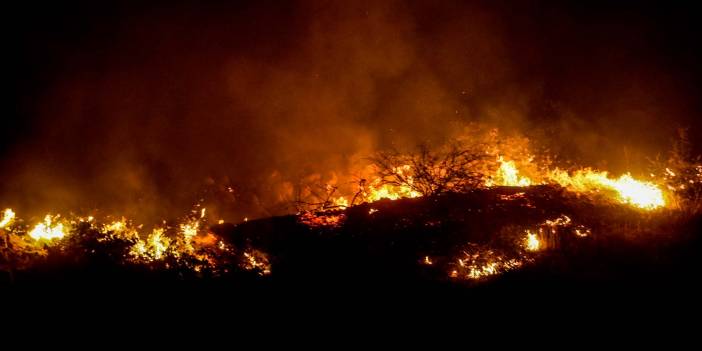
x: 462, y: 215
x: 460, y: 144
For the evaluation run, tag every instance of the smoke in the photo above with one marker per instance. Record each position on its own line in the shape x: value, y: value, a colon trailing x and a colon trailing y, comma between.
x: 141, y: 107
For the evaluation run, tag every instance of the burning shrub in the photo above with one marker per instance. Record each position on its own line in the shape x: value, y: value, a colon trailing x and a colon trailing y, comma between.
x: 479, y: 262
x: 475, y: 158
x: 454, y: 168
x: 17, y: 251
x: 681, y: 174
x: 84, y: 246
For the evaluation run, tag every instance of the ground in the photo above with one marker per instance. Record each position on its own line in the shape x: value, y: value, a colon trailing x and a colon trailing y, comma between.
x: 590, y: 245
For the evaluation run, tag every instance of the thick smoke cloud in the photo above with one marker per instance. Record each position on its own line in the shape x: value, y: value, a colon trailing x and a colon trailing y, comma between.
x: 133, y: 107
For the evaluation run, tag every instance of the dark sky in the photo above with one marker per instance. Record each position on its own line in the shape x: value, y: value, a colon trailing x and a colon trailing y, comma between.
x: 122, y: 102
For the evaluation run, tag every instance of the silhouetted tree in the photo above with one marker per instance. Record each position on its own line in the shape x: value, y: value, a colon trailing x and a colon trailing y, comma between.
x: 454, y: 168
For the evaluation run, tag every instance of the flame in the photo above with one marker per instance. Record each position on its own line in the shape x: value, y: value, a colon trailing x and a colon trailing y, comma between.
x: 627, y: 190
x: 206, y: 240
x: 481, y: 262
x: 153, y: 248
x: 341, y: 202
x: 117, y: 226
x: 322, y: 219
x: 7, y: 218
x: 387, y: 191
x: 88, y: 219
x: 377, y: 189
x: 158, y: 243
x: 48, y: 230
x: 189, y: 238
x: 531, y: 242
x: 189, y: 231
x: 257, y: 260
x: 492, y: 268
x: 563, y: 220
x: 582, y: 232
x: 507, y: 175
x: 483, y: 271
x: 188, y: 247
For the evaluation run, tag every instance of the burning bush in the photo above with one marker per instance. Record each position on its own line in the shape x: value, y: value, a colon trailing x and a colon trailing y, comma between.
x: 187, y: 249
x: 523, y: 209
x: 681, y: 174
x: 453, y: 168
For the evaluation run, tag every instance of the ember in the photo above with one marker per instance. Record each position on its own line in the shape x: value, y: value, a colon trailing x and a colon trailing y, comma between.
x: 257, y: 261
x: 321, y: 219
x: 481, y: 263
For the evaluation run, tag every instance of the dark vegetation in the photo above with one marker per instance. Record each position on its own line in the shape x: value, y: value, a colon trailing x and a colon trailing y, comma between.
x: 385, y: 249
x: 380, y: 247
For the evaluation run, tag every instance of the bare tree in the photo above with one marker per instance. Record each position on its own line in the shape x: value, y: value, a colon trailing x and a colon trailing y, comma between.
x: 454, y: 168
x: 315, y: 197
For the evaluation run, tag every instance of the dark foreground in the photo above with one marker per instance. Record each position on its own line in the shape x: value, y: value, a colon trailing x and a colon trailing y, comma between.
x: 379, y: 255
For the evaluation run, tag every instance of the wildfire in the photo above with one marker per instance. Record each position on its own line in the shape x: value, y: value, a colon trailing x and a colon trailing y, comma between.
x: 116, y: 226
x: 563, y: 220
x: 7, y: 218
x: 322, y: 219
x: 49, y: 229
x: 189, y: 230
x: 154, y: 248
x: 507, y: 175
x: 500, y: 265
x: 258, y: 261
x: 627, y: 190
x: 531, y: 242
x: 189, y: 240
x: 377, y: 190
x: 188, y: 247
x: 480, y: 262
x: 387, y: 191
x: 206, y: 240
x: 582, y: 232
x: 158, y: 243
x: 341, y: 202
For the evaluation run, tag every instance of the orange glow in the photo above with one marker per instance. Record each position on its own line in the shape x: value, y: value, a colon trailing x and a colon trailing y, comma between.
x: 507, y: 175
x: 625, y: 189
x: 7, y: 218
x: 49, y: 229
